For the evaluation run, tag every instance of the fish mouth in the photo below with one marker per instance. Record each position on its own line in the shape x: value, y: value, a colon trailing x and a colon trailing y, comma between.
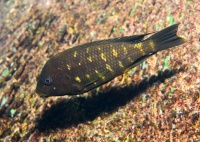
x: 41, y: 93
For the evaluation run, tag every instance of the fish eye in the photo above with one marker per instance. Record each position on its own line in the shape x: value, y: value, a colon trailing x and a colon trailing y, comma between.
x: 48, y: 81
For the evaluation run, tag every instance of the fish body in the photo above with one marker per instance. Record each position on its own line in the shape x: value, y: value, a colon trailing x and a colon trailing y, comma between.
x: 88, y: 66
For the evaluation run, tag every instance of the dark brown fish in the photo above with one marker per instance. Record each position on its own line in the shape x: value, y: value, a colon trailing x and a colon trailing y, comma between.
x: 85, y: 67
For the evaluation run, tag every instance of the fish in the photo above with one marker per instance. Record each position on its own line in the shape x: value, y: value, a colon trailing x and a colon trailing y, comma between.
x: 85, y: 67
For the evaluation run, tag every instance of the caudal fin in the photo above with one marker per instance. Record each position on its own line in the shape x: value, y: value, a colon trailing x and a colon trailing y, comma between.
x: 167, y: 38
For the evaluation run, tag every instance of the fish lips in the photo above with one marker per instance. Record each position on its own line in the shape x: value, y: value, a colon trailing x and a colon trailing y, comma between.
x: 41, y: 93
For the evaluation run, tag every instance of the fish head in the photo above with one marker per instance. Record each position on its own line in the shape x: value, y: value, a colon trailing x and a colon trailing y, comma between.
x: 53, y: 82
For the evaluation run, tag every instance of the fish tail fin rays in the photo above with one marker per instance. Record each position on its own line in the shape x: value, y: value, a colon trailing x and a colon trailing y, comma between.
x: 167, y: 38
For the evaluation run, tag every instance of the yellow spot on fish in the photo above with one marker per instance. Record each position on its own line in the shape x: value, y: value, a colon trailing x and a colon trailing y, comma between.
x: 120, y: 64
x: 151, y: 43
x: 103, y: 57
x: 103, y: 77
x: 139, y: 46
x: 75, y: 53
x: 99, y: 48
x: 100, y: 75
x: 114, y: 52
x: 125, y: 50
x: 109, y: 68
x: 69, y: 67
x: 77, y: 79
x: 87, y: 50
x: 95, y: 83
x: 88, y: 76
x: 129, y: 59
x: 89, y: 59
x: 79, y: 63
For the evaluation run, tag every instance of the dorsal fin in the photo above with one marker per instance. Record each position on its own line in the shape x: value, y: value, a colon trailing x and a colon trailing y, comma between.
x: 133, y: 39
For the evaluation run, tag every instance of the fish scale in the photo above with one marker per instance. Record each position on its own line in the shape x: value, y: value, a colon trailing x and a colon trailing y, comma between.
x: 85, y: 67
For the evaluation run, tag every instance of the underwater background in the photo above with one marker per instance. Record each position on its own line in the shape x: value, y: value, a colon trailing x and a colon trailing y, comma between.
x: 159, y: 100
